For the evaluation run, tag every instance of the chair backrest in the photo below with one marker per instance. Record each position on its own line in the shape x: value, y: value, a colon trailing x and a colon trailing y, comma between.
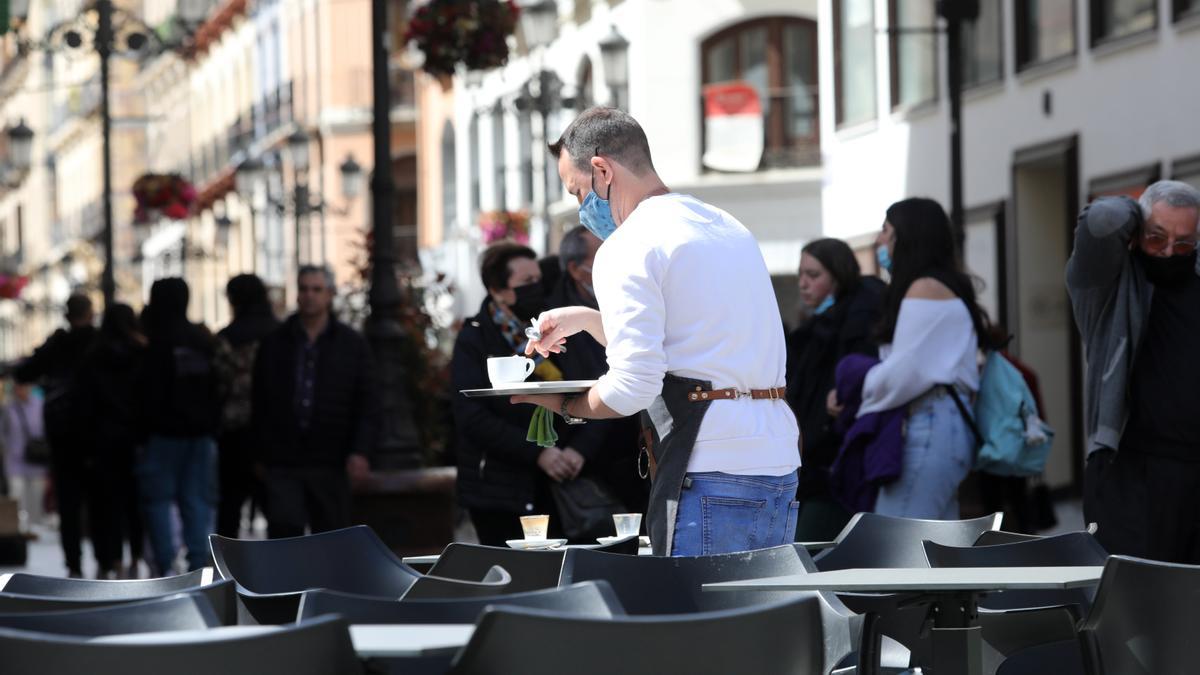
x: 1065, y: 550
x: 590, y: 598
x: 871, y: 540
x: 352, y: 560
x: 530, y: 570
x: 495, y: 582
x: 672, y: 585
x: 94, y: 589
x: 1144, y: 618
x: 175, y: 612
x: 628, y: 545
x: 318, y: 647
x: 994, y: 537
x: 784, y: 637
x: 221, y: 596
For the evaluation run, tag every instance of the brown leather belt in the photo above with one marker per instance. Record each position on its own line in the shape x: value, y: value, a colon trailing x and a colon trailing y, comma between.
x: 773, y: 394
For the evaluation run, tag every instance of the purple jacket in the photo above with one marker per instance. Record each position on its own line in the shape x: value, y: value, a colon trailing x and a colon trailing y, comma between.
x: 872, y: 451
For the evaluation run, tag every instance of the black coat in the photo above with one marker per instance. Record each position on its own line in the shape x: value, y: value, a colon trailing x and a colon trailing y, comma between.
x: 109, y: 382
x: 345, y: 414
x: 56, y: 365
x: 497, y: 467
x: 813, y: 352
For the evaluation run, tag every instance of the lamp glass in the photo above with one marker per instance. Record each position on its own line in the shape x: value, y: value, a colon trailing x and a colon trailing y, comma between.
x: 614, y: 54
x: 247, y: 177
x: 539, y: 22
x: 20, y: 140
x: 352, y: 179
x: 297, y: 145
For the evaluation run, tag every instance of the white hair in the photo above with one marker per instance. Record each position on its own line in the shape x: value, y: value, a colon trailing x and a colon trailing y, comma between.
x: 1170, y: 192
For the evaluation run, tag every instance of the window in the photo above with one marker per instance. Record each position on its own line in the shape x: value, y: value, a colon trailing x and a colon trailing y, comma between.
x: 525, y: 142
x: 499, y: 160
x: 1187, y: 170
x: 1045, y: 31
x: 1113, y: 19
x: 912, y: 46
x: 777, y: 56
x: 1182, y: 9
x: 983, y: 46
x: 449, y: 178
x: 1129, y: 183
x: 854, y: 60
x: 473, y: 134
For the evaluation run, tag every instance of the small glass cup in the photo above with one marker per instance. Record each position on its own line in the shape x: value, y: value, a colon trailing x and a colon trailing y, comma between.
x: 535, y: 527
x: 627, y: 524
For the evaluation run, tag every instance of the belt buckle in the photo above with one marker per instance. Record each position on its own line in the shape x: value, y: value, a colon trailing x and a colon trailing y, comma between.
x: 738, y: 393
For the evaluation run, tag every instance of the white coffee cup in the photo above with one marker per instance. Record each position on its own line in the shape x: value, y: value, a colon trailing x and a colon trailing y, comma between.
x: 508, y: 369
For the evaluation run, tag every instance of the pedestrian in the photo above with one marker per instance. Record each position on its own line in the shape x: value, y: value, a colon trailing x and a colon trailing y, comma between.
x: 609, y: 447
x: 693, y: 337
x: 176, y: 466
x: 55, y: 365
x: 315, y: 412
x: 110, y: 408
x: 23, y: 429
x: 501, y: 475
x: 1132, y: 279
x: 930, y: 336
x: 844, y: 311
x: 238, y: 342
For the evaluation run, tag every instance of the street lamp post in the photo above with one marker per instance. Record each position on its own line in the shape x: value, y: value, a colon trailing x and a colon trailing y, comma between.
x: 614, y: 54
x: 397, y: 444
x: 104, y: 40
x: 539, y: 25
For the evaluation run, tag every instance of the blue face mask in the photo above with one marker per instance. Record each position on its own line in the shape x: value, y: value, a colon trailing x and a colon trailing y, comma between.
x: 824, y: 306
x: 595, y: 213
x: 884, y: 258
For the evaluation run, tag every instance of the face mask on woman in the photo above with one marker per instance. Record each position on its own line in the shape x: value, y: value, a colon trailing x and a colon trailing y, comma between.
x: 884, y: 257
x: 825, y: 305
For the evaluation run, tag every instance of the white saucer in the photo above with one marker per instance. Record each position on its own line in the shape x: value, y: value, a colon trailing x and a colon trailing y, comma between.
x: 536, y: 545
x: 605, y: 541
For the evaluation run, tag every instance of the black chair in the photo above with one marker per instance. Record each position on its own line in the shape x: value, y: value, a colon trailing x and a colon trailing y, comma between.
x: 175, y: 612
x: 495, y: 582
x: 351, y: 560
x: 1072, y: 549
x: 89, y: 589
x: 590, y: 599
x: 784, y: 637
x: 871, y: 541
x: 994, y: 537
x: 626, y: 545
x: 221, y: 596
x: 656, y: 585
x: 1143, y: 619
x: 271, y: 574
x: 318, y: 647
x: 530, y: 570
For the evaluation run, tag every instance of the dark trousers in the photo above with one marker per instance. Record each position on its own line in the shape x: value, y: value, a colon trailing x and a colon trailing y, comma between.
x: 496, y: 527
x: 237, y: 481
x: 1145, y: 505
x: 318, y: 497
x: 70, y: 487
x: 113, y: 509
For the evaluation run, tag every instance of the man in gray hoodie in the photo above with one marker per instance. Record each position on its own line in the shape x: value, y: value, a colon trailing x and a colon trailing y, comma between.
x: 1135, y: 291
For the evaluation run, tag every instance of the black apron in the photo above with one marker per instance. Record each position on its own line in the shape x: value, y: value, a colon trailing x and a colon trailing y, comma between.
x: 673, y: 421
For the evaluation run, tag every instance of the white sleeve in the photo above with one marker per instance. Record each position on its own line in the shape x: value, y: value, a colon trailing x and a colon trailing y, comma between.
x: 927, y: 349
x: 629, y: 291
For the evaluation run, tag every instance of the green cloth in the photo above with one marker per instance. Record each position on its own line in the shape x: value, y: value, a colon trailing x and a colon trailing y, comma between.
x: 541, y: 428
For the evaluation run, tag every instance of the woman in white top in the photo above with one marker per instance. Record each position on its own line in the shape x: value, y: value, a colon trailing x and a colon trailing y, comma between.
x: 931, y: 331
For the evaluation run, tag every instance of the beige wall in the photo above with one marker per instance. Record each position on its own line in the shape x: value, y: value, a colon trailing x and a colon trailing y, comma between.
x: 435, y: 108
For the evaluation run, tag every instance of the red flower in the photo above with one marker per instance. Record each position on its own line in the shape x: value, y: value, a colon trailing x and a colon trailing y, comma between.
x: 176, y: 211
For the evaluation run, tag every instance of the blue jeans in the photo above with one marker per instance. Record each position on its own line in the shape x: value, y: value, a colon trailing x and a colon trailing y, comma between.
x: 939, y: 449
x: 726, y: 513
x: 178, y: 471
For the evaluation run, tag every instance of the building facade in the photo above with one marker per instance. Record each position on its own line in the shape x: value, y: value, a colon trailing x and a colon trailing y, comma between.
x: 1064, y: 100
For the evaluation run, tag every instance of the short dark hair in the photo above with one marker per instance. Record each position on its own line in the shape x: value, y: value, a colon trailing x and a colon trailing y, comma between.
x: 573, y: 248
x: 493, y: 264
x: 838, y: 259
x: 79, y: 306
x: 247, y: 294
x: 605, y: 131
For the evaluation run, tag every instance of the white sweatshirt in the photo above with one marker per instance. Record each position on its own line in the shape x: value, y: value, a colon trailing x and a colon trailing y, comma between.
x: 683, y: 288
x: 934, y: 343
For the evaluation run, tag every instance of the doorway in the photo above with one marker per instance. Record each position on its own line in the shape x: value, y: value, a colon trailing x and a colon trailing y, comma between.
x: 1045, y: 201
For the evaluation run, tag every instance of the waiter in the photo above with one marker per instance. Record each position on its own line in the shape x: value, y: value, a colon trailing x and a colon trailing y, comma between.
x: 694, y: 342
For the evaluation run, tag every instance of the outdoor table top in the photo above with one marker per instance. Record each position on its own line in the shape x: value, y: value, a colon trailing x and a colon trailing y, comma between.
x: 383, y: 640
x: 431, y: 559
x: 922, y: 579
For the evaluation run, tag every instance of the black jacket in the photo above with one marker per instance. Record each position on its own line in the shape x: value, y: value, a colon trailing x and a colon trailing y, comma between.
x: 813, y: 352
x: 111, y: 408
x: 345, y: 413
x: 179, y: 383
x: 56, y: 365
x: 497, y: 467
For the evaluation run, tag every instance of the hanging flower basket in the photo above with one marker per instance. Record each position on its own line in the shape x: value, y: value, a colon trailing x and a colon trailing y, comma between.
x: 162, y: 195
x: 11, y: 285
x: 497, y: 225
x: 471, y: 32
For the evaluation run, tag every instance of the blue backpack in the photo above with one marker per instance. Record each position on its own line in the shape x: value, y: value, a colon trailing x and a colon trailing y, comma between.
x: 1011, y: 439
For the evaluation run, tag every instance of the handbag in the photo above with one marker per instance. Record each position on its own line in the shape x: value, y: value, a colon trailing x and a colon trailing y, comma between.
x: 37, y: 450
x: 585, y: 508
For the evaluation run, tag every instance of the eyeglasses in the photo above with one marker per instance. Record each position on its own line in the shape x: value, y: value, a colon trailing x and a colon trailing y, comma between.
x: 1157, y: 243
